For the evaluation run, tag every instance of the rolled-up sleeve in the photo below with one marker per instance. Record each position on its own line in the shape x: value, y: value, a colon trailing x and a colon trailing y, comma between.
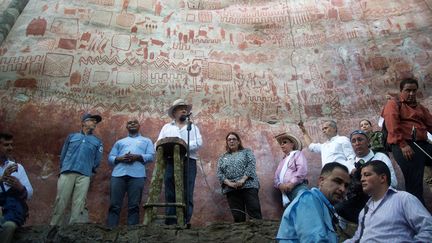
x: 148, y: 155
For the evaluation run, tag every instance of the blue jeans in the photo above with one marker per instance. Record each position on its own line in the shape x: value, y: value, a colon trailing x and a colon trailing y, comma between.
x: 189, y: 184
x: 119, y: 186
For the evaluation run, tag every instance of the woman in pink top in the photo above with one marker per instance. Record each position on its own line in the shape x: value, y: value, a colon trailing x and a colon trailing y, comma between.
x: 290, y: 175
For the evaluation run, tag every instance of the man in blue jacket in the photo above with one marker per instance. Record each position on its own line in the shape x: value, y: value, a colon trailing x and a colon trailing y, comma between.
x: 80, y: 156
x: 311, y: 216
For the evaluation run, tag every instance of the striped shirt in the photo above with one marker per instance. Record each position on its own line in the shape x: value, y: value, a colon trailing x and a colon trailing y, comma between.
x: 397, y: 217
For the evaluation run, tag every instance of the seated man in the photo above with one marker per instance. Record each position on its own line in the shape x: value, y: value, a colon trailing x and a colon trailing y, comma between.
x: 15, y: 188
x: 357, y: 199
x: 310, y: 217
x: 390, y: 215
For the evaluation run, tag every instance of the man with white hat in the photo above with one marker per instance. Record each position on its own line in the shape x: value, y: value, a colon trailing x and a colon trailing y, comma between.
x: 179, y: 112
x: 80, y: 156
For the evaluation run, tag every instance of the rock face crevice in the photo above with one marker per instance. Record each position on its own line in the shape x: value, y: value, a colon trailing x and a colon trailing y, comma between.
x: 9, y: 16
x: 251, y: 231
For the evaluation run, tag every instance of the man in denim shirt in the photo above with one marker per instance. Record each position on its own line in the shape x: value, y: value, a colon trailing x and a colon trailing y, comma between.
x: 128, y: 158
x: 311, y: 216
x: 80, y: 156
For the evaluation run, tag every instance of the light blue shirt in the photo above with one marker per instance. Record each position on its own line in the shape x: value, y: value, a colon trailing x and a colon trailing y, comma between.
x: 398, y: 217
x: 308, y: 218
x: 134, y: 145
x: 81, y: 153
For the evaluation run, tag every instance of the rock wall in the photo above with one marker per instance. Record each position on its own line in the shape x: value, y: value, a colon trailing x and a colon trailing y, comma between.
x: 256, y: 67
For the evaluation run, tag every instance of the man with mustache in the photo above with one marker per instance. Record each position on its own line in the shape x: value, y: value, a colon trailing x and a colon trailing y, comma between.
x: 402, y: 115
x: 351, y: 208
x: 389, y: 215
x: 179, y: 112
x: 310, y: 217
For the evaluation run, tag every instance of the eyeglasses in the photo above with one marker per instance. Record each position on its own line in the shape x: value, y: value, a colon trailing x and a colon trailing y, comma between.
x: 90, y: 119
x: 232, y: 139
x: 285, y: 142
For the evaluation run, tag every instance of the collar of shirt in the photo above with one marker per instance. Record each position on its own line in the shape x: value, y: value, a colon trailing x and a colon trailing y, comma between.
x: 317, y: 192
x: 5, y: 163
x: 402, y: 100
x: 134, y: 136
x: 366, y: 158
x: 389, y: 191
x: 173, y: 123
x: 293, y: 151
x: 333, y: 138
x: 89, y: 132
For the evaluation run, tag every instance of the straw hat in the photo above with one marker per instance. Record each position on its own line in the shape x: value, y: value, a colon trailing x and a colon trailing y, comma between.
x: 176, y: 103
x: 297, y: 143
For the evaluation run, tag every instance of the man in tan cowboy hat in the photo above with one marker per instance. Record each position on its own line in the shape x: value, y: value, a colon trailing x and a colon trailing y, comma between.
x: 290, y: 175
x: 180, y: 111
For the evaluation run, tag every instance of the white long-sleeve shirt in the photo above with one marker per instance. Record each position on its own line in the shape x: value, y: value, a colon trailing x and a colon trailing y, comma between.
x: 21, y: 175
x: 336, y: 149
x: 195, y: 139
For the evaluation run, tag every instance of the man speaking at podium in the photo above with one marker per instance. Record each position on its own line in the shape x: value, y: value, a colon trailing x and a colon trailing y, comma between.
x: 180, y: 112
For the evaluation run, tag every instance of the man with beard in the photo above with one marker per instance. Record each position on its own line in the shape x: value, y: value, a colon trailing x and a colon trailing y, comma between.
x: 179, y: 112
x: 311, y: 216
x: 351, y: 208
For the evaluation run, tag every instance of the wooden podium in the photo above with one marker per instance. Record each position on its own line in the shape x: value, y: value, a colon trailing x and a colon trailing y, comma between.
x: 167, y: 147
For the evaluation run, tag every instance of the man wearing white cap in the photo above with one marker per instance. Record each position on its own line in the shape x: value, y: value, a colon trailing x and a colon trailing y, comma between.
x: 179, y: 112
x: 80, y: 156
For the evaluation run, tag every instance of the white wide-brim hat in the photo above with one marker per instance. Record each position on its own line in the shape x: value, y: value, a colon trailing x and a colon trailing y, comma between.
x: 297, y: 143
x: 176, y: 103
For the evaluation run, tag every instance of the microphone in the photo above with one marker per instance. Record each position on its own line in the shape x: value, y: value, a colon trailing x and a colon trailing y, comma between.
x: 414, y: 133
x: 183, y: 117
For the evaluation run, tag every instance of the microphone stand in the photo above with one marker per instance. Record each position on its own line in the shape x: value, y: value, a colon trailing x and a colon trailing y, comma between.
x: 414, y: 137
x: 189, y: 128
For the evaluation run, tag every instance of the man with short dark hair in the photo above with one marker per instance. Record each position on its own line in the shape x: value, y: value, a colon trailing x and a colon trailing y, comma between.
x: 128, y: 158
x: 80, y: 156
x: 15, y: 189
x: 335, y: 149
x: 389, y: 215
x: 402, y: 116
x: 310, y: 217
